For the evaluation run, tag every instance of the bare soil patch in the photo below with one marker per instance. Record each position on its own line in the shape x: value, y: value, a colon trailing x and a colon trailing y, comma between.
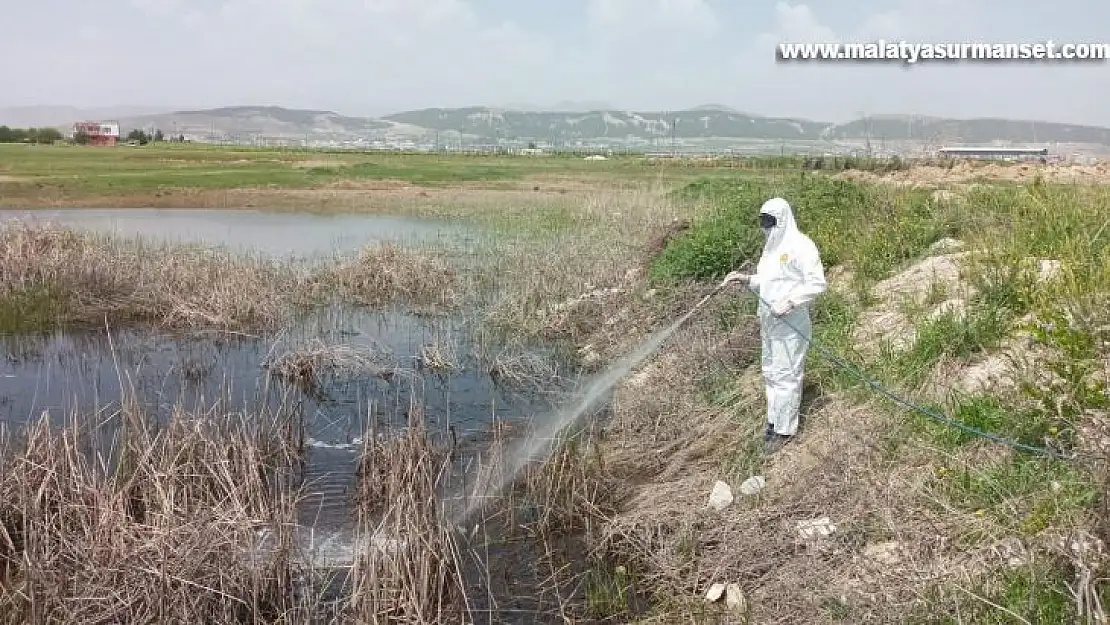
x: 964, y: 172
x: 935, y: 284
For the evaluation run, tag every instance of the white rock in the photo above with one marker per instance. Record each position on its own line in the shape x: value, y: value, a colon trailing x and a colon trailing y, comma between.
x: 753, y: 485
x: 734, y: 598
x: 721, y: 497
x: 817, y: 527
x: 957, y: 307
x: 1047, y: 269
x: 942, y: 196
x: 715, y: 593
x: 946, y: 245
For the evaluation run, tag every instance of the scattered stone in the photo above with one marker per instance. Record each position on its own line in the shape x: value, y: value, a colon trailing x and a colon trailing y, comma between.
x: 735, y: 598
x: 942, y: 196
x: 753, y: 485
x: 716, y: 591
x: 946, y: 245
x: 721, y: 497
x: 956, y: 307
x: 590, y: 357
x: 1047, y: 269
x: 817, y: 527
x: 1013, y: 552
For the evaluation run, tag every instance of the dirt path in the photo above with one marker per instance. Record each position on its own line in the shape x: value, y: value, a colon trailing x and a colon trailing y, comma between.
x: 965, y: 172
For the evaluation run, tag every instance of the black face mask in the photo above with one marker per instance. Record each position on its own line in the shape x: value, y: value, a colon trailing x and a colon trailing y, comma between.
x: 767, y: 221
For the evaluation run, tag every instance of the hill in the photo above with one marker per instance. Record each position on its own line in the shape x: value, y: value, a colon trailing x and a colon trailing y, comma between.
x: 242, y: 122
x: 971, y: 131
x: 707, y: 125
x: 64, y: 116
x: 623, y: 125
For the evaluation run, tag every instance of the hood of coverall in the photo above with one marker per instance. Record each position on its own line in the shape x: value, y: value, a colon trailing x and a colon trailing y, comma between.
x: 784, y: 222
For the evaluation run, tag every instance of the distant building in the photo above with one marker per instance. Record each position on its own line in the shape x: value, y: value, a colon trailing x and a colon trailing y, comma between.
x: 995, y: 153
x: 99, y: 133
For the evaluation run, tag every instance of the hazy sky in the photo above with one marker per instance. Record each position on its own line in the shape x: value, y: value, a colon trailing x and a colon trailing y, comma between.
x: 379, y: 56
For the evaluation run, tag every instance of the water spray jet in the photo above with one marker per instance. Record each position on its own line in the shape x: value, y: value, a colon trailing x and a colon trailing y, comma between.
x: 533, y: 449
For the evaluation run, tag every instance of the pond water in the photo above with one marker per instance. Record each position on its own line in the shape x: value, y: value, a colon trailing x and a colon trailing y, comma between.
x: 88, y: 373
x: 275, y: 234
x: 63, y: 373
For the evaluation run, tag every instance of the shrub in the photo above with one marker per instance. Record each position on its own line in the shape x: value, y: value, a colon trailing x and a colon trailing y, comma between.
x: 875, y: 229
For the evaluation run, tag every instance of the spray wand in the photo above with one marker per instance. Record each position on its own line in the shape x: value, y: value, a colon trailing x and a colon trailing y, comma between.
x: 717, y: 289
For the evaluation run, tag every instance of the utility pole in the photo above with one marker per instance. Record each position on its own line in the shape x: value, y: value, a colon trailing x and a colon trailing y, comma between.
x: 674, y: 149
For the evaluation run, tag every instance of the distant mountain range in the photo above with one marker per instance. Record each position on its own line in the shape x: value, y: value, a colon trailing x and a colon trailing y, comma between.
x: 709, y: 124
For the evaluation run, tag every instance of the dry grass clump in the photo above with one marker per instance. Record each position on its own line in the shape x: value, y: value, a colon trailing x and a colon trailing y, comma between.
x: 602, y: 254
x: 517, y: 366
x: 440, y: 354
x: 571, y: 491
x: 311, y: 365
x: 408, y: 568
x: 80, y: 278
x: 168, y: 531
x: 386, y: 273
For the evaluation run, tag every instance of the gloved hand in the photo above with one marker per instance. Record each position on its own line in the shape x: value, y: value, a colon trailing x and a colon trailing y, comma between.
x: 736, y: 276
x: 782, y: 308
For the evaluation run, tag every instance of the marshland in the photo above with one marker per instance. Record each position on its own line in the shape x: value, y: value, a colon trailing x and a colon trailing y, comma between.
x: 266, y: 386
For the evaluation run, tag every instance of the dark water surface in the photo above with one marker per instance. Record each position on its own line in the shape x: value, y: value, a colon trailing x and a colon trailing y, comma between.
x: 65, y: 373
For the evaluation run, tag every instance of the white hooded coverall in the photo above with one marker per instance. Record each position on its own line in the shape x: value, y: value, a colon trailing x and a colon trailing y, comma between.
x: 789, y: 277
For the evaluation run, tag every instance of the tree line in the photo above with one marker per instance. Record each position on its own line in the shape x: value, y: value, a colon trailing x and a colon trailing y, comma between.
x: 29, y: 135
x: 51, y: 135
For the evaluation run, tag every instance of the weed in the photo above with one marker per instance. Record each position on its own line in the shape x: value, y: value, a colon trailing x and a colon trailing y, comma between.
x: 849, y: 222
x: 608, y: 590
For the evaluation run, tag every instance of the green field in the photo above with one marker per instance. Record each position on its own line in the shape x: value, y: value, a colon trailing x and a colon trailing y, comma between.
x: 72, y: 171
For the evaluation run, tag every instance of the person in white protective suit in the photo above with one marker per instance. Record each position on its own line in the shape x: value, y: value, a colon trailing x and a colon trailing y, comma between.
x: 788, y: 278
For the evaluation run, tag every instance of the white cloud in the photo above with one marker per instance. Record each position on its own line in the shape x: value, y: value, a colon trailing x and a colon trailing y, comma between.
x: 799, y: 24
x: 376, y: 55
x: 695, y: 16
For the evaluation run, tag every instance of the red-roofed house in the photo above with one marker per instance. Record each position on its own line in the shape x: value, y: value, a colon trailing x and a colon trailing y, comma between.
x: 99, y: 133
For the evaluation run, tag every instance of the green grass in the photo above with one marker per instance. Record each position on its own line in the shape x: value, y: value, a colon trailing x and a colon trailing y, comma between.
x: 32, y: 310
x: 876, y: 232
x: 121, y: 170
x: 874, y: 229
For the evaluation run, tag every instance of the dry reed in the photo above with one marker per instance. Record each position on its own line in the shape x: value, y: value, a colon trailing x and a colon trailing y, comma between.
x: 82, y: 278
x: 387, y: 273
x: 77, y: 278
x: 602, y: 255
x: 311, y: 365
x: 165, y: 527
x: 408, y: 568
x: 440, y: 354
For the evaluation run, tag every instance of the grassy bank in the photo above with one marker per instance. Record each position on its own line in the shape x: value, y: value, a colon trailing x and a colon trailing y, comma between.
x: 1006, y: 334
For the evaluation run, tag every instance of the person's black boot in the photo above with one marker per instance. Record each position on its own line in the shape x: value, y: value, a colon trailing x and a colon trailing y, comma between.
x: 775, y: 442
